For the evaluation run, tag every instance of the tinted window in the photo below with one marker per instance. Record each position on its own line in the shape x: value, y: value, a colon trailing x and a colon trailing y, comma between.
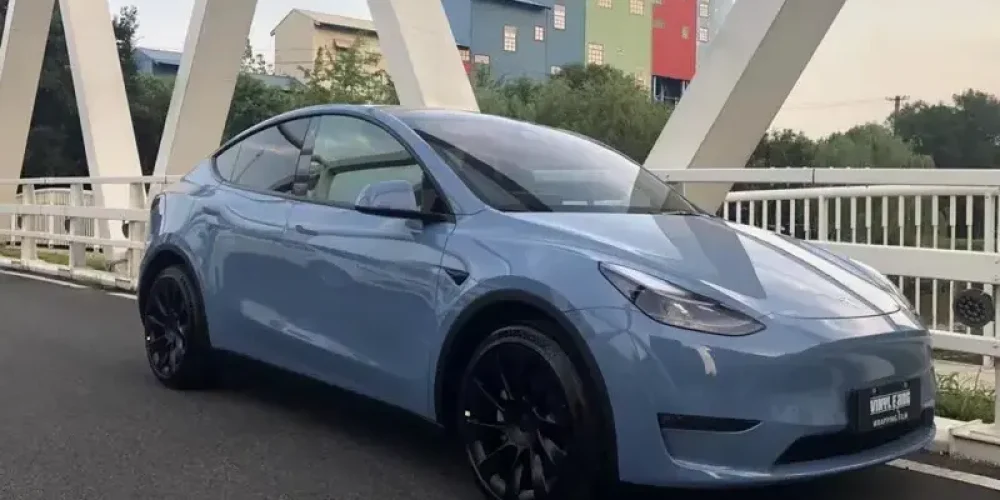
x: 350, y: 153
x: 517, y: 166
x: 266, y: 160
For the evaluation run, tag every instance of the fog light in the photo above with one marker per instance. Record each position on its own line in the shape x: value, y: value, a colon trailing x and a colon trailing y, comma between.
x: 974, y: 308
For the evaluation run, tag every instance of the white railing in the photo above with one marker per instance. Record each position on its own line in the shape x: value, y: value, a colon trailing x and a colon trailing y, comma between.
x: 54, y: 230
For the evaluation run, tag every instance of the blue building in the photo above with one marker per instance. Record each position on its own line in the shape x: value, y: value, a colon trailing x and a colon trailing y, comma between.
x: 167, y: 62
x: 515, y: 38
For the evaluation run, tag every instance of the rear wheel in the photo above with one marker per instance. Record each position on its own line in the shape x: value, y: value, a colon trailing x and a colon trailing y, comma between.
x: 527, y: 424
x: 177, y: 344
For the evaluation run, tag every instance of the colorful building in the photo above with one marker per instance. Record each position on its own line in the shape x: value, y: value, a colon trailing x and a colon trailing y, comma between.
x: 674, y: 46
x: 657, y: 41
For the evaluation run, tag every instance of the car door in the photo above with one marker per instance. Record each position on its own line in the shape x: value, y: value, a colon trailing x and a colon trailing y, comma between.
x: 247, y: 265
x: 367, y: 283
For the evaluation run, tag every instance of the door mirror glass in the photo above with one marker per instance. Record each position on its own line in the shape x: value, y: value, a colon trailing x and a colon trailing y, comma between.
x: 388, y: 197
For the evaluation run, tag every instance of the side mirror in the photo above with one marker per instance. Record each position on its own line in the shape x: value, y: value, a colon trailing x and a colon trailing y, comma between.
x: 393, y: 199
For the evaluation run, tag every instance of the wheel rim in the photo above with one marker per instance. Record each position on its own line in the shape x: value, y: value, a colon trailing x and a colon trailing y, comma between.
x: 516, y: 422
x: 168, y: 322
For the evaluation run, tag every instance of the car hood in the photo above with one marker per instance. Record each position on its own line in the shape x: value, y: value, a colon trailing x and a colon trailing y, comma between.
x: 765, y: 273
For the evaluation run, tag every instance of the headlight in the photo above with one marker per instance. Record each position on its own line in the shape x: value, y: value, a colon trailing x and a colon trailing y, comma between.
x: 881, y: 278
x: 676, y: 307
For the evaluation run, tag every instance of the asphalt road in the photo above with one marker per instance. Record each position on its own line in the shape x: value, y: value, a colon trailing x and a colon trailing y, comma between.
x: 82, y: 418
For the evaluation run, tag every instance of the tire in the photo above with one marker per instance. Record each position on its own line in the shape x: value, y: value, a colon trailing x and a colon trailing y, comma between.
x: 545, y: 438
x: 178, y: 348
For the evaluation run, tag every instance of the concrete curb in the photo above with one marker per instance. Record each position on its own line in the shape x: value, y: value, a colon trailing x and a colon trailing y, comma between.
x: 973, y: 441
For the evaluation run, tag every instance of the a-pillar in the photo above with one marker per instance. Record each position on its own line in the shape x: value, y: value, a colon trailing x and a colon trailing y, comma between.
x: 752, y: 65
x: 203, y: 90
x: 108, y: 135
x: 21, y: 52
x: 420, y: 53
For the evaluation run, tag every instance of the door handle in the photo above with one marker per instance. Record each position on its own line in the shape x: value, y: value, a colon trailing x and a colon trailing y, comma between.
x: 304, y: 230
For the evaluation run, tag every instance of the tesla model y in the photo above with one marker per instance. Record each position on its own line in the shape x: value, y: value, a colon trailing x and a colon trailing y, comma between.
x: 573, y: 319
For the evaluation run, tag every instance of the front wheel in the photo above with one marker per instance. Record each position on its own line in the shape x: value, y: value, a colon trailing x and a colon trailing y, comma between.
x: 526, y: 421
x: 177, y: 344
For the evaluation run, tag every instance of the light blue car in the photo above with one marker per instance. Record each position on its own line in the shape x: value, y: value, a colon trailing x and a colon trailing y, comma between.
x: 575, y: 320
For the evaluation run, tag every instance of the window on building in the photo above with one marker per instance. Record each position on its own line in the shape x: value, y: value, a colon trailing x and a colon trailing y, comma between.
x: 702, y: 34
x: 510, y: 38
x: 703, y: 9
x: 595, y: 53
x: 539, y: 33
x: 559, y: 17
x: 465, y: 54
x: 555, y: 70
x: 640, y: 79
x: 481, y: 59
x: 637, y: 7
x: 604, y: 3
x: 658, y: 24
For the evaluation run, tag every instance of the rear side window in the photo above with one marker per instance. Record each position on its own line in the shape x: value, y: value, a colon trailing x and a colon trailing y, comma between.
x: 265, y: 161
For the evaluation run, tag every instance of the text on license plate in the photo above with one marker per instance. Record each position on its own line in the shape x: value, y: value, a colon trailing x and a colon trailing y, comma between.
x: 889, y: 402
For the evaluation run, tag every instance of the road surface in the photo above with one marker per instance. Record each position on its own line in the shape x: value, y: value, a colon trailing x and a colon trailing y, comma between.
x: 82, y: 418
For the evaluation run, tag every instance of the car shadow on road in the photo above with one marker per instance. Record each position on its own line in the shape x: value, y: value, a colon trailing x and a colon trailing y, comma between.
x: 431, y: 451
x: 366, y: 421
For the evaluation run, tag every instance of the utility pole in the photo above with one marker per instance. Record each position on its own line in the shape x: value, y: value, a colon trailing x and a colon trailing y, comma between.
x: 897, y: 101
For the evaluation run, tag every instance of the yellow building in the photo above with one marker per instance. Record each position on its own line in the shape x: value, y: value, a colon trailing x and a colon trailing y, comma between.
x: 302, y: 33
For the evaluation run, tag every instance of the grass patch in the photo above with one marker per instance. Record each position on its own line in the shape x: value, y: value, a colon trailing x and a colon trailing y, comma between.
x: 961, y: 400
x: 57, y: 257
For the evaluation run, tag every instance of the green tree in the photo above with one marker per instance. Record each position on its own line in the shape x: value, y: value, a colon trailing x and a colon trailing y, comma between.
x: 253, y: 62
x: 600, y: 102
x: 867, y: 146
x: 783, y: 148
x: 963, y: 134
x: 253, y: 102
x: 347, y: 75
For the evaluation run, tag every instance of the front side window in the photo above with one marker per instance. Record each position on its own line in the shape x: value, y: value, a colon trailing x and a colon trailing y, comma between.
x: 520, y: 167
x: 265, y: 161
x: 351, y: 153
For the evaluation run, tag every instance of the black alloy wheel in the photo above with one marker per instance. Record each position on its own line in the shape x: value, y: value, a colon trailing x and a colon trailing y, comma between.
x: 525, y: 421
x: 177, y: 344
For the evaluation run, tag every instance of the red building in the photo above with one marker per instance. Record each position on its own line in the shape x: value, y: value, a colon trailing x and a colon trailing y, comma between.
x: 675, y: 46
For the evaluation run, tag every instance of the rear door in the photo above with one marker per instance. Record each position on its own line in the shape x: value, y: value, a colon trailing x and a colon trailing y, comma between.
x: 247, y: 267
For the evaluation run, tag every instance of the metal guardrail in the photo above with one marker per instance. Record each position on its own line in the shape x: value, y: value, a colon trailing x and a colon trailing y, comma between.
x: 77, y: 223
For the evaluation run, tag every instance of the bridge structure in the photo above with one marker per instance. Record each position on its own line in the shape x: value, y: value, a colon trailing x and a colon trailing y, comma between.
x: 934, y: 232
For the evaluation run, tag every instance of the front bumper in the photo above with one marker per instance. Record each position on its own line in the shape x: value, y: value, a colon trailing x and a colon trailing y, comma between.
x: 693, y: 409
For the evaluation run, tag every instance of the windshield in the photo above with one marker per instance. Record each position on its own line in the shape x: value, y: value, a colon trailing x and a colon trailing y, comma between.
x: 517, y: 166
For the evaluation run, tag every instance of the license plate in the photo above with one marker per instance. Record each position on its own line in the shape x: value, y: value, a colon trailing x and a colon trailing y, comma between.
x: 886, y: 405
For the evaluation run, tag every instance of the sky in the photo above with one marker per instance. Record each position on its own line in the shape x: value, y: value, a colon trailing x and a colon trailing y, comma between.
x: 163, y: 23
x: 924, y: 49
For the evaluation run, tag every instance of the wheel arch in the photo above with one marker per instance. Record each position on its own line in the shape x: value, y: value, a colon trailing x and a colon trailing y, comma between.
x: 462, y: 339
x: 165, y: 255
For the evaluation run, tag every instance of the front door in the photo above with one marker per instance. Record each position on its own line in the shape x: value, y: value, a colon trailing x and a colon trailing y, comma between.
x: 367, y: 283
x: 247, y: 267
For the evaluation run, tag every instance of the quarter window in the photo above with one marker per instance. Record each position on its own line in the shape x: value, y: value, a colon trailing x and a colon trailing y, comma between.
x: 351, y: 153
x: 265, y: 161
